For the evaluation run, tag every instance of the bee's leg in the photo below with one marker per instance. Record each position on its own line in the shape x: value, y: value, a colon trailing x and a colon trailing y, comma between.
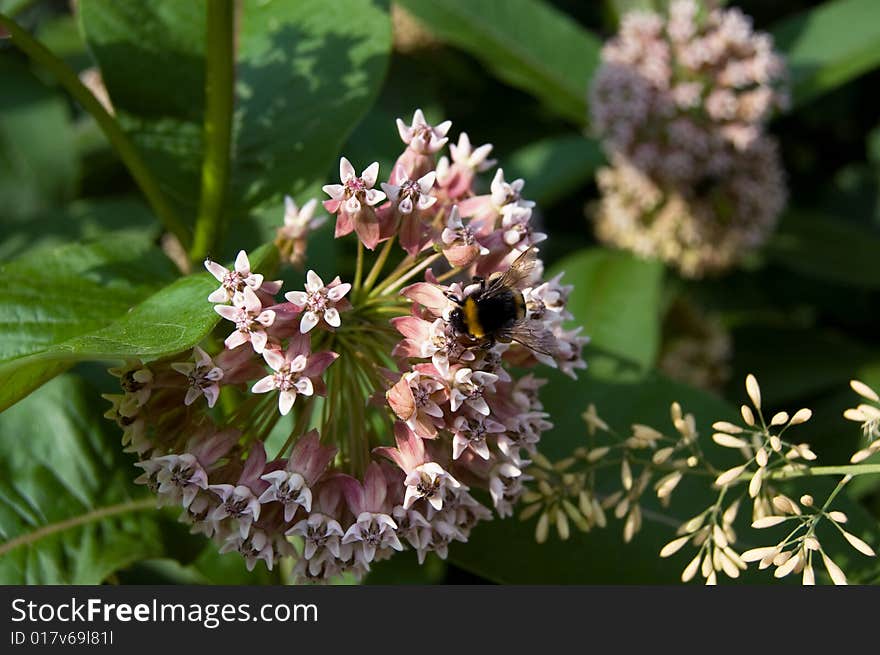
x: 451, y: 296
x: 479, y: 280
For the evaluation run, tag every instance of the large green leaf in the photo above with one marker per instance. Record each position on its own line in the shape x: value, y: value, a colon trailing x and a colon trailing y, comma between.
x: 305, y: 74
x: 555, y: 167
x: 81, y: 220
x: 617, y: 298
x: 38, y: 167
x: 169, y: 321
x: 53, y: 294
x: 829, y: 45
x: 827, y: 248
x: 69, y: 513
x: 526, y: 43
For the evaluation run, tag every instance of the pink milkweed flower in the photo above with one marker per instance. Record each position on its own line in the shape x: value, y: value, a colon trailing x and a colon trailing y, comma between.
x: 416, y: 399
x: 430, y: 296
x: 202, y: 377
x: 420, y: 136
x: 374, y: 529
x: 410, y: 200
x: 436, y: 340
x: 292, y: 487
x: 471, y: 432
x: 294, y: 370
x: 176, y: 478
x: 460, y: 245
x: 424, y: 478
x: 466, y: 387
x: 136, y: 381
x: 291, y: 238
x: 321, y: 531
x: 319, y: 301
x: 353, y: 201
x: 250, y: 321
x: 233, y: 282
x: 258, y: 544
x: 457, y: 178
x: 239, y: 503
x: 486, y: 209
x: 517, y: 230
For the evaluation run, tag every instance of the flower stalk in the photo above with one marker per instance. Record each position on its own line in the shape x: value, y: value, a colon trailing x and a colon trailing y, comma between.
x: 217, y: 135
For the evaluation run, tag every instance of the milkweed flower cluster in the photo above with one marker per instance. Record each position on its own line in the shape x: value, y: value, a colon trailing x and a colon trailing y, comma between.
x: 680, y: 103
x: 348, y: 420
x: 566, y: 492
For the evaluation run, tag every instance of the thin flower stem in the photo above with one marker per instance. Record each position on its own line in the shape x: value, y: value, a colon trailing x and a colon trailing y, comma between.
x: 850, y: 470
x: 359, y: 268
x: 451, y: 273
x: 219, y: 102
x: 379, y: 264
x: 126, y: 150
x: 840, y: 485
x: 139, y: 505
x: 409, y: 275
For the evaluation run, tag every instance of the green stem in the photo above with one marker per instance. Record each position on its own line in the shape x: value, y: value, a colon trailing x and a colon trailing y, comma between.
x: 219, y: 102
x: 359, y: 268
x: 126, y: 150
x: 378, y: 264
x: 848, y: 470
x: 388, y: 288
x: 68, y: 524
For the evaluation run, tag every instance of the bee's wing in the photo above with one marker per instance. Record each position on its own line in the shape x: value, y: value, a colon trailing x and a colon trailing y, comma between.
x: 532, y: 335
x: 518, y: 276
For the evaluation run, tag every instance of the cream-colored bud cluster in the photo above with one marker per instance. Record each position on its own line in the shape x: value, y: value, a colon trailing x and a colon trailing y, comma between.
x: 568, y: 491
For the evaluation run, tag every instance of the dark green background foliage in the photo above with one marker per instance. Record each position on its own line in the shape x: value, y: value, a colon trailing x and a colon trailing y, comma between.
x: 83, y: 278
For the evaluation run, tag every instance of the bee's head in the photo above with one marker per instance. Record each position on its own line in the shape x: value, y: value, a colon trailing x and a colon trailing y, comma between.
x: 457, y: 320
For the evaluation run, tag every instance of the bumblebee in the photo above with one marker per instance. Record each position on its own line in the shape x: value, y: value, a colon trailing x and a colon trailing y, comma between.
x: 494, y: 310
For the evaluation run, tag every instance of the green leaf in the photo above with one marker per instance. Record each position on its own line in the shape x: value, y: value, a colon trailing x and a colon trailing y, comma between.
x: 617, y: 298
x: 69, y: 513
x: 829, y: 45
x: 827, y: 248
x: 169, y: 321
x: 81, y: 220
x: 526, y: 43
x: 306, y: 72
x: 53, y: 294
x: 555, y: 167
x: 38, y: 167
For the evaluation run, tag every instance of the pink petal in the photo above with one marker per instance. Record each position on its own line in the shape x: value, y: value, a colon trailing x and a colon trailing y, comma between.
x: 216, y: 270
x: 298, y: 298
x: 264, y: 385
x: 337, y: 291
x: 331, y: 317
x: 235, y: 339
x: 313, y: 282
x: 335, y: 191
x: 242, y: 264
x: 346, y: 170
x: 370, y: 174
x: 285, y: 402
x: 309, y: 320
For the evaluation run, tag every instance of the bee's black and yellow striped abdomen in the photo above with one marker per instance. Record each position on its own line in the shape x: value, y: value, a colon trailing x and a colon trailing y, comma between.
x: 481, y: 316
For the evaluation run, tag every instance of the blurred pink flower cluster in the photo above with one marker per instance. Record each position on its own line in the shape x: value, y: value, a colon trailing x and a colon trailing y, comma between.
x: 383, y: 416
x: 681, y: 101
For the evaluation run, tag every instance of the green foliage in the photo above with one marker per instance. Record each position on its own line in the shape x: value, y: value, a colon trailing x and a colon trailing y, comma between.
x: 37, y: 163
x: 75, y: 324
x: 526, y: 43
x: 555, y: 167
x: 305, y: 74
x: 617, y: 298
x: 69, y: 513
x: 829, y: 45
